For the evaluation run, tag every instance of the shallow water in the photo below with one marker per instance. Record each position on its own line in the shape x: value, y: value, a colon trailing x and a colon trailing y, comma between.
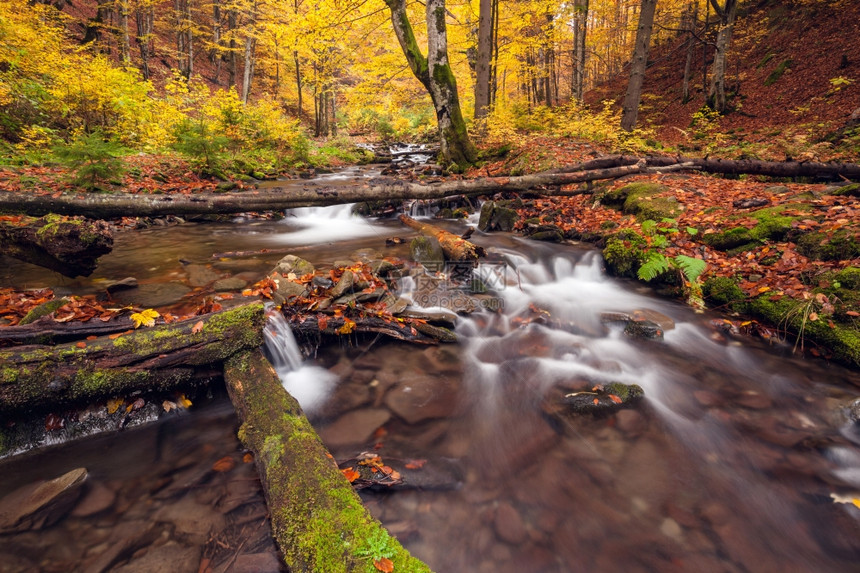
x: 727, y: 465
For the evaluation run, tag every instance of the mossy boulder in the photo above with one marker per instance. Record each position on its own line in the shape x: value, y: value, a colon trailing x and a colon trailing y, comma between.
x: 723, y: 291
x: 852, y: 190
x: 729, y: 239
x: 603, y: 399
x: 848, y: 278
x: 644, y: 200
x: 624, y: 254
x: 427, y: 251
x: 497, y: 216
x: 838, y: 246
x: 296, y: 265
x: 543, y: 232
x: 43, y: 309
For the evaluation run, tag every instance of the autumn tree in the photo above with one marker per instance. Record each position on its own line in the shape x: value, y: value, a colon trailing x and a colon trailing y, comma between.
x: 435, y: 74
x: 727, y: 11
x: 580, y: 30
x: 638, y: 65
x: 482, y: 66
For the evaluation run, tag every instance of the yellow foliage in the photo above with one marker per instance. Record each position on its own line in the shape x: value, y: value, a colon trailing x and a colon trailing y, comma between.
x: 145, y: 318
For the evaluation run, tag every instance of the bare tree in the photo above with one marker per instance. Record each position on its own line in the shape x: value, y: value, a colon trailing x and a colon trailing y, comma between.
x: 638, y: 65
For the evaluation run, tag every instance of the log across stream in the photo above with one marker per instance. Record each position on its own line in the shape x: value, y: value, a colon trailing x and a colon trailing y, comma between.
x: 733, y: 461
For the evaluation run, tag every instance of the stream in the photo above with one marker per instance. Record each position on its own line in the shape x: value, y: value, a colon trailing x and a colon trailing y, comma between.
x: 730, y: 463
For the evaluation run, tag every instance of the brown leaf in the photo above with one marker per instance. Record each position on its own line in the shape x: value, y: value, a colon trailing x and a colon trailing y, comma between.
x: 224, y: 465
x: 384, y: 564
x: 197, y: 327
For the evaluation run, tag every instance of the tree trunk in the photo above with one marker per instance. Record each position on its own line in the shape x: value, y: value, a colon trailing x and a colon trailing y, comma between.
x: 638, y: 65
x: 717, y: 91
x: 250, y: 44
x: 318, y: 521
x: 482, y: 67
x: 691, y: 13
x: 455, y: 248
x: 124, y: 43
x: 579, y: 35
x: 436, y: 76
x: 144, y: 17
x: 145, y: 359
x: 231, y: 48
x: 70, y: 247
x: 215, y: 54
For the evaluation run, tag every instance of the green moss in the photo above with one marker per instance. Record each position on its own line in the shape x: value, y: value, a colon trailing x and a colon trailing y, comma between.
x: 842, y: 339
x: 852, y: 190
x: 777, y: 73
x: 624, y: 254
x: 734, y: 237
x: 840, y: 245
x: 43, y: 309
x: 848, y: 278
x: 645, y: 201
x: 627, y: 392
x: 724, y: 292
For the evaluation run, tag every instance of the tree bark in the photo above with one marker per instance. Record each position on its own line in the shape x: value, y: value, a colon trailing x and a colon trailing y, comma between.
x: 318, y: 520
x: 435, y: 74
x: 692, y: 13
x: 482, y: 67
x: 250, y: 46
x: 144, y: 16
x: 157, y: 358
x: 579, y: 36
x: 638, y: 65
x: 717, y: 91
x: 70, y: 247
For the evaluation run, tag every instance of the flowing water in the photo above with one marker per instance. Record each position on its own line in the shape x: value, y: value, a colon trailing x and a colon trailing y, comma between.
x: 730, y: 463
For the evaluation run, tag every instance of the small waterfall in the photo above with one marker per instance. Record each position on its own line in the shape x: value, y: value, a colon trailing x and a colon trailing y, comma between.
x: 318, y: 225
x: 310, y: 385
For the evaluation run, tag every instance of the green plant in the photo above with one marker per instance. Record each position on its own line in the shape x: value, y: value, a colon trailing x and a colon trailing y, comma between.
x: 94, y: 159
x: 658, y: 263
x: 203, y: 144
x: 377, y: 546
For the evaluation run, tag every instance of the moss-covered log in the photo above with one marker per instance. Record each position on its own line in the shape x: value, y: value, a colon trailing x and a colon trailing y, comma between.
x: 69, y: 246
x: 156, y: 358
x: 456, y: 248
x: 317, y: 519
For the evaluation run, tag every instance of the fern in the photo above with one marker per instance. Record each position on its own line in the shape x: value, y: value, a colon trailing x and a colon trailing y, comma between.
x: 656, y: 265
x: 691, y: 267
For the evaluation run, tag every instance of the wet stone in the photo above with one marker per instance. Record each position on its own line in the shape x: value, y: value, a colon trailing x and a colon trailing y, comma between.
x: 256, y: 563
x: 509, y: 524
x: 423, y: 397
x: 630, y: 422
x: 753, y: 400
x: 191, y: 520
x: 169, y: 557
x: 293, y: 264
x: 229, y: 284
x: 200, y: 275
x: 153, y: 294
x: 98, y: 498
x: 354, y: 428
x: 41, y: 504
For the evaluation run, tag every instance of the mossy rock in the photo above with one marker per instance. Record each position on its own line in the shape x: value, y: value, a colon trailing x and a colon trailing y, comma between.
x: 43, y: 309
x: 427, y: 251
x: 644, y: 201
x: 842, y: 339
x: 734, y: 237
x: 624, y: 254
x: 848, y: 278
x: 724, y: 291
x: 296, y: 265
x: 549, y: 233
x: 839, y: 246
x: 609, y: 398
x: 852, y: 190
x: 497, y: 216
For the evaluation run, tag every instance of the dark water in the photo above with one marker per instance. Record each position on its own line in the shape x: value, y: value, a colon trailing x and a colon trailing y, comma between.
x: 729, y: 464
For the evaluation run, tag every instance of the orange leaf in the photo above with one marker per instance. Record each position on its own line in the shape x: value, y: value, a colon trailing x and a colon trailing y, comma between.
x: 852, y: 313
x: 615, y: 398
x: 197, y: 327
x: 224, y: 465
x: 415, y: 464
x: 248, y: 458
x: 350, y: 474
x: 322, y: 322
x: 81, y: 344
x: 93, y: 337
x: 596, y: 401
x: 385, y: 565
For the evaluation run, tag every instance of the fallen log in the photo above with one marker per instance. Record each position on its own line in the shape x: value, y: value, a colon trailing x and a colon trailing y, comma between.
x: 409, y: 330
x: 455, y: 247
x: 275, y: 199
x: 318, y: 521
x: 159, y: 358
x: 69, y: 246
x: 781, y: 169
x: 48, y: 331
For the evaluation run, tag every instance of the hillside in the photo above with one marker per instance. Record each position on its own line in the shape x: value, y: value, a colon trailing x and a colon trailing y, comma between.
x: 816, y: 44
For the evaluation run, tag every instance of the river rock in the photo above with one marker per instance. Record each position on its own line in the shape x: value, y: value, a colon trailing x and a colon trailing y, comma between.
x: 354, y: 428
x: 97, y: 499
x: 126, y: 283
x: 509, y: 524
x: 427, y: 251
x: 191, y: 520
x: 423, y: 397
x: 293, y: 264
x: 344, y: 285
x: 229, y: 284
x: 630, y: 422
x: 286, y: 289
x: 41, y: 504
x: 256, y: 563
x: 200, y: 275
x: 153, y: 294
x: 168, y: 557
x: 497, y: 217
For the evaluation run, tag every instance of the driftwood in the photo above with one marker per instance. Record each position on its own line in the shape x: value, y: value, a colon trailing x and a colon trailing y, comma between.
x: 455, y: 247
x: 318, y: 521
x: 68, y: 246
x: 163, y: 357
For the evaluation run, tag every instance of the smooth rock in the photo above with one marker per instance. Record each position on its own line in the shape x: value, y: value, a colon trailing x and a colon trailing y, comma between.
x: 41, y: 504
x: 191, y: 520
x: 97, y: 499
x: 168, y: 557
x: 153, y: 294
x: 256, y: 563
x: 356, y: 427
x: 509, y: 524
x: 200, y: 275
x: 126, y: 283
x: 293, y: 264
x: 422, y: 398
x: 229, y: 284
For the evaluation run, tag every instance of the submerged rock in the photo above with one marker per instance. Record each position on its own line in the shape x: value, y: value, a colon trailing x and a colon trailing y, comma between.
x: 41, y: 504
x: 610, y: 397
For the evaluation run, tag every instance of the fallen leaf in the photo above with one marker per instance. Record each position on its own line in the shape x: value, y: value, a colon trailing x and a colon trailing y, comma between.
x: 93, y: 337
x: 114, y: 404
x: 350, y: 474
x: 54, y: 422
x: 384, y: 564
x: 852, y: 313
x: 197, y: 327
x: 615, y: 399
x: 248, y: 458
x: 224, y: 465
x: 145, y: 318
x: 81, y: 344
x: 415, y: 464
x: 168, y: 405
x: 183, y: 401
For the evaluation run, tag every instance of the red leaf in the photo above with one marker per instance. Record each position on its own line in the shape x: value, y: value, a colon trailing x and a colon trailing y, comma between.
x: 384, y: 564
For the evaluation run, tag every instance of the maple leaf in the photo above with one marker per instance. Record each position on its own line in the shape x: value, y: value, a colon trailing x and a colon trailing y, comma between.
x: 348, y: 326
x: 145, y: 318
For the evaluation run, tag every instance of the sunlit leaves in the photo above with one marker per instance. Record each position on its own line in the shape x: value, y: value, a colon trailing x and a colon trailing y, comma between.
x: 145, y: 318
